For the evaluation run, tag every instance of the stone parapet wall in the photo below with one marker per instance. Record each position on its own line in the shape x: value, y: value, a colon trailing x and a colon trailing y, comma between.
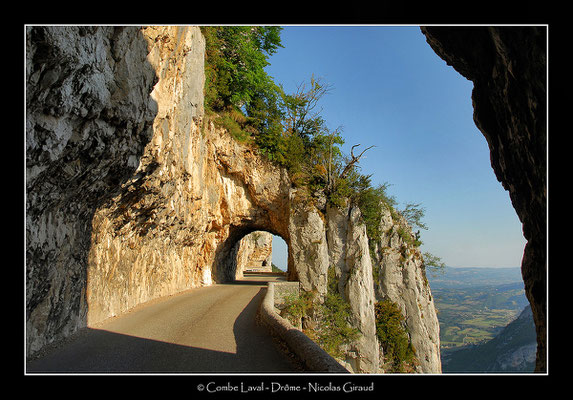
x: 313, y: 356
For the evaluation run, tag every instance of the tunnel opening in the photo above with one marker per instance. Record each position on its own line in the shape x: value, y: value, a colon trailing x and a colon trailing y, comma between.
x: 279, y: 255
x: 251, y: 250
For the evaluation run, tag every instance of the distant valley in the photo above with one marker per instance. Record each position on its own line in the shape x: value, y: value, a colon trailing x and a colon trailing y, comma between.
x: 475, y: 306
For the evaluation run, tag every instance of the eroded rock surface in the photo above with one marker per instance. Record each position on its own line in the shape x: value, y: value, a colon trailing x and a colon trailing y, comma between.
x: 401, y: 278
x: 349, y: 255
x: 89, y: 115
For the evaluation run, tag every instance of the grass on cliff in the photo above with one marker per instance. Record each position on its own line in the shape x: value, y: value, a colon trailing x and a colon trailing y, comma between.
x: 399, y: 353
x: 335, y: 331
x: 327, y: 324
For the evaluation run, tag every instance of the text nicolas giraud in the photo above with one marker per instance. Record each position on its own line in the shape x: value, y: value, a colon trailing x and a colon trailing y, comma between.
x: 274, y: 387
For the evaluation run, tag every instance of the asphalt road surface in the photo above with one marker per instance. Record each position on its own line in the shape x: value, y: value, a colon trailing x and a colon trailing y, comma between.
x: 209, y: 329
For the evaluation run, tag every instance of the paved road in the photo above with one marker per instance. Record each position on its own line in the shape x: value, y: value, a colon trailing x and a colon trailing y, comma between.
x: 210, y: 329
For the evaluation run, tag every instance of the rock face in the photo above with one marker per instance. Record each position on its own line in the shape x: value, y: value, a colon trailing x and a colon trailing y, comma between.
x: 349, y: 254
x: 176, y: 223
x: 134, y: 194
x: 393, y: 270
x: 88, y: 118
x: 401, y: 277
x: 508, y: 68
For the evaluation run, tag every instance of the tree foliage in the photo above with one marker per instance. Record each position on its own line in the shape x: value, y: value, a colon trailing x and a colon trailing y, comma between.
x: 434, y: 263
x: 414, y: 214
x: 335, y: 330
x: 236, y: 58
x: 392, y: 335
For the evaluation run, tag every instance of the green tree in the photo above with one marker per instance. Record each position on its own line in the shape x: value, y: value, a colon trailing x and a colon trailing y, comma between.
x: 313, y: 149
x: 236, y: 57
x: 302, y: 114
x: 265, y: 118
x: 414, y: 214
x: 392, y: 335
x: 334, y: 329
x: 433, y: 263
x: 372, y: 201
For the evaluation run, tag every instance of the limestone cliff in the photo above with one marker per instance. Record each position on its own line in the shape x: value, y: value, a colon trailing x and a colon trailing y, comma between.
x: 401, y: 277
x: 349, y: 254
x: 134, y: 194
x: 88, y: 118
x: 167, y: 229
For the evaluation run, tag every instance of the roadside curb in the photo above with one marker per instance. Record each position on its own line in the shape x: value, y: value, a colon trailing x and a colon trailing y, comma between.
x: 313, y: 356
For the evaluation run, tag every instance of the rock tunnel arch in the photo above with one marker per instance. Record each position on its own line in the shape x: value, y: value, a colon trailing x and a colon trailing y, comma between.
x: 194, y: 193
x: 175, y: 226
x: 226, y: 263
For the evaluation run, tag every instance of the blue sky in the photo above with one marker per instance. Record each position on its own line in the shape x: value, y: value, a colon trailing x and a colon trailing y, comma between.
x: 391, y: 90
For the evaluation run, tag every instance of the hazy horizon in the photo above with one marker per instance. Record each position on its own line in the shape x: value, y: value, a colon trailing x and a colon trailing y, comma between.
x: 280, y: 257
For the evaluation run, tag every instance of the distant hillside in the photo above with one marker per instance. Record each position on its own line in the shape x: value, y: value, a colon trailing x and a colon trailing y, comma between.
x: 512, y: 350
x: 473, y: 276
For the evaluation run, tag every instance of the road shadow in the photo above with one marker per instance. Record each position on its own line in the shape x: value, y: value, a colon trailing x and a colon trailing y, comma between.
x: 102, y: 351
